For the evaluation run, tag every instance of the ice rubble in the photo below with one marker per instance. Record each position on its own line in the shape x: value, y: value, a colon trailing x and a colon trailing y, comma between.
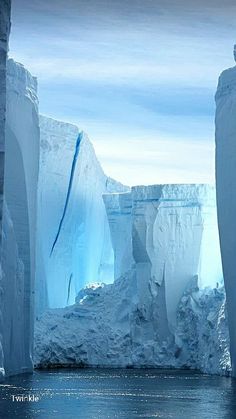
x: 106, y: 328
x: 154, y: 314
x: 226, y: 192
x: 74, y: 246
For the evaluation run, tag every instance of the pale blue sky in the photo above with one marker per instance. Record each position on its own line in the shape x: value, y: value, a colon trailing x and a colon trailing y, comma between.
x: 138, y: 76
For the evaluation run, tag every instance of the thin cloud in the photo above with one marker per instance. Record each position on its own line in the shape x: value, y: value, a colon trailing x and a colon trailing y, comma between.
x: 131, y: 74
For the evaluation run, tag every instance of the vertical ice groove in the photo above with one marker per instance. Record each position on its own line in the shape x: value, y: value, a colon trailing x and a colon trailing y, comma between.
x: 72, y: 172
x: 69, y: 285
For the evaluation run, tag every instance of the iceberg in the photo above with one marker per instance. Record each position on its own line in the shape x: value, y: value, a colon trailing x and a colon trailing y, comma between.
x: 74, y: 246
x: 226, y: 192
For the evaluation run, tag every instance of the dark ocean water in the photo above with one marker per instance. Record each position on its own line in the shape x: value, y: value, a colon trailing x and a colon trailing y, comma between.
x: 119, y: 393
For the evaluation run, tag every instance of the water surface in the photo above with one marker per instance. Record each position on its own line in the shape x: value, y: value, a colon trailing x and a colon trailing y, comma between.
x: 119, y: 393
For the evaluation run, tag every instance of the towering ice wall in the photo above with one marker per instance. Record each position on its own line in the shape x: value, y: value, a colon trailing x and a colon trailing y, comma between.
x: 19, y: 218
x: 168, y: 234
x: 74, y: 245
x: 226, y: 190
x: 5, y: 12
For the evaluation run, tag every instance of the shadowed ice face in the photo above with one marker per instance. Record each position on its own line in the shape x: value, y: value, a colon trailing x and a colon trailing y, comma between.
x: 235, y: 52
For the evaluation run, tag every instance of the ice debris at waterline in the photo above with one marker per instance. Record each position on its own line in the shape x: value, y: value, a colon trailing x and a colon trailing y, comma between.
x: 158, y: 312
x: 107, y: 327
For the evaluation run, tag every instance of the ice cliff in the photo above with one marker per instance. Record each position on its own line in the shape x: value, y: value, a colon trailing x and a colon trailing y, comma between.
x: 4, y: 35
x: 74, y: 246
x: 158, y: 312
x: 19, y: 158
x: 165, y: 232
x: 226, y: 190
x: 19, y: 218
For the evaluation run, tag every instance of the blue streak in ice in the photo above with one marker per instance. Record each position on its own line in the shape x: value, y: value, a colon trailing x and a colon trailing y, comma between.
x: 72, y: 172
x: 69, y: 286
